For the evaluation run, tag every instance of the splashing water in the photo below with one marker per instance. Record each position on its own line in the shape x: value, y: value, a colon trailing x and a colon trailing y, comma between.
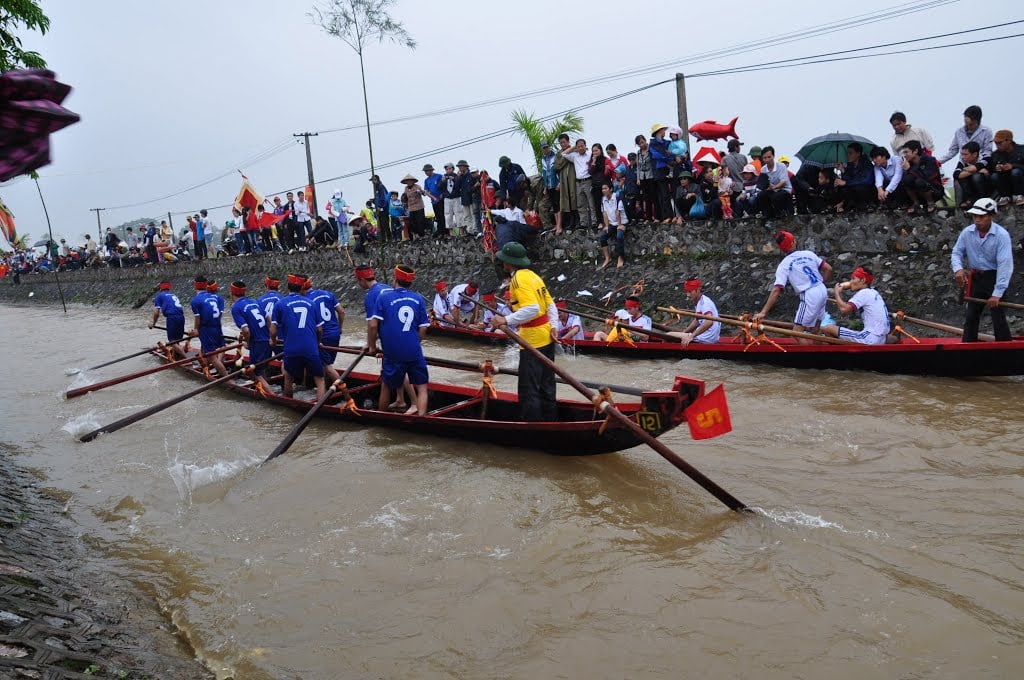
x: 82, y: 379
x: 189, y: 477
x: 802, y: 519
x: 79, y: 425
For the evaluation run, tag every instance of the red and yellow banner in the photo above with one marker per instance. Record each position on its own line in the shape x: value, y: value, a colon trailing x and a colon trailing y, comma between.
x: 7, y: 224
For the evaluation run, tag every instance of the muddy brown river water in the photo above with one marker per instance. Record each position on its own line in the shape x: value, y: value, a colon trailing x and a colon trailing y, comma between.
x: 887, y: 541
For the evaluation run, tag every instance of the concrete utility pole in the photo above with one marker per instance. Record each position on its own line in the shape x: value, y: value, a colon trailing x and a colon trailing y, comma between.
x: 684, y: 120
x: 309, y: 167
x: 99, y: 227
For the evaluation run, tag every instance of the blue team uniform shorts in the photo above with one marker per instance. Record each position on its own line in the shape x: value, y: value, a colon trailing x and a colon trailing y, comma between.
x: 327, y: 358
x: 259, y: 351
x: 175, y: 328
x: 393, y: 373
x: 296, y: 364
x: 210, y: 338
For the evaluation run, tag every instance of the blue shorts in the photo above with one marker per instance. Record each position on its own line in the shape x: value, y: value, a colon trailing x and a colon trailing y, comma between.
x: 210, y: 338
x: 392, y: 373
x: 259, y: 351
x: 298, y: 364
x: 175, y: 328
x: 327, y: 358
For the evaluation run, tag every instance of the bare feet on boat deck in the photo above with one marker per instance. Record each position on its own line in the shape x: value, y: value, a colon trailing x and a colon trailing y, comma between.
x: 397, y: 406
x: 411, y: 411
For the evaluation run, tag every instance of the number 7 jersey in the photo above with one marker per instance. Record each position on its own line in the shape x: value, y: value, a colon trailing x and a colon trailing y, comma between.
x: 296, y: 322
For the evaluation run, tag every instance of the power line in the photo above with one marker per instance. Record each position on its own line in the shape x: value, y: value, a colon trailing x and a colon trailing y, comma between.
x: 773, y: 41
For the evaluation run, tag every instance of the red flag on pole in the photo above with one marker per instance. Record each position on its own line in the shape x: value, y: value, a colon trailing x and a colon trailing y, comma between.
x: 709, y: 416
x: 268, y: 218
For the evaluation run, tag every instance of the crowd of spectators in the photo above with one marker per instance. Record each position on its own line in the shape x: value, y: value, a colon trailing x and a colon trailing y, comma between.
x: 585, y: 186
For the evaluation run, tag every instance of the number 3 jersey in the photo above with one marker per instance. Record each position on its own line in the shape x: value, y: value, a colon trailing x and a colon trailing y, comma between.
x: 297, y: 323
x: 800, y: 269
x: 400, y: 314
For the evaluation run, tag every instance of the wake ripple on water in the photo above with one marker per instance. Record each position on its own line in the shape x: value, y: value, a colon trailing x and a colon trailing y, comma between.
x: 797, y: 518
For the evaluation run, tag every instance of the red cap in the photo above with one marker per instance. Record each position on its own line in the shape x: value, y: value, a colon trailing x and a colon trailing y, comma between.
x: 273, y: 284
x: 296, y: 280
x: 560, y: 304
x: 440, y: 285
x: 211, y: 287
x: 165, y: 285
x: 365, y: 271
x: 785, y: 240
x: 237, y: 290
x: 691, y: 285
x: 861, y: 273
x: 404, y: 273
x: 200, y: 285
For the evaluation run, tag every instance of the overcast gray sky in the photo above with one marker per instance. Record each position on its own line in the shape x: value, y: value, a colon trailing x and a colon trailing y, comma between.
x: 171, y: 94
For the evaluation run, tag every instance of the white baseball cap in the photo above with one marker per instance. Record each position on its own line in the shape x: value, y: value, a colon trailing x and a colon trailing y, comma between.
x: 983, y: 206
x: 749, y: 167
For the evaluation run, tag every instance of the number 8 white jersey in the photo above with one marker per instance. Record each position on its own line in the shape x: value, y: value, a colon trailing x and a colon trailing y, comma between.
x: 800, y: 269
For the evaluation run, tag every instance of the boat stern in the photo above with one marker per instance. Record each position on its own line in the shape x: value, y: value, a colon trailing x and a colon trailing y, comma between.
x: 662, y: 410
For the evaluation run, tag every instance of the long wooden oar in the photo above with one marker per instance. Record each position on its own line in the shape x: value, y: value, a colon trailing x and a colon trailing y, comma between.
x: 127, y: 356
x: 952, y: 330
x: 145, y: 413
x: 1008, y: 305
x: 766, y: 322
x: 609, y: 409
x: 338, y: 384
x: 605, y: 310
x: 468, y: 366
x: 71, y: 394
x: 632, y: 329
x: 758, y: 326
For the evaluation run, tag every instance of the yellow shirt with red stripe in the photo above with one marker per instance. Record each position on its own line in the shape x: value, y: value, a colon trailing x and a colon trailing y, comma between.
x: 528, y: 289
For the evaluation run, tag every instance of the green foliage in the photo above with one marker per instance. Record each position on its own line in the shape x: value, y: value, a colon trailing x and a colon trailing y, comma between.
x: 358, y: 22
x: 535, y: 131
x: 15, y: 14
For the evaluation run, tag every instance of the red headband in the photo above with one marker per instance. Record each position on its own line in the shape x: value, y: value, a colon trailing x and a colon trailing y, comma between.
x: 632, y: 304
x: 860, y: 273
x: 560, y: 304
x: 211, y: 287
x: 691, y: 285
x: 200, y: 285
x: 489, y: 297
x: 470, y: 290
x: 237, y: 290
x: 404, y: 276
x: 272, y: 283
x: 295, y: 280
x: 785, y: 240
x: 365, y: 272
x: 440, y: 285
x: 307, y: 284
x: 165, y: 285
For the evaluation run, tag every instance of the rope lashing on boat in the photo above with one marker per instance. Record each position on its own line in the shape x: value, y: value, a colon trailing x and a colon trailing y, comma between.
x: 168, y: 352
x: 205, y: 364
x: 898, y: 328
x: 761, y: 336
x: 487, y: 367
x: 349, y: 403
x: 602, y: 400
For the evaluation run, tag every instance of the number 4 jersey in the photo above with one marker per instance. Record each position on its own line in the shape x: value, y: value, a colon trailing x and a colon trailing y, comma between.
x: 400, y: 314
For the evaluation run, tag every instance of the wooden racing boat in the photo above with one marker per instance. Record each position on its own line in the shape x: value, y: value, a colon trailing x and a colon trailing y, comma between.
x: 477, y: 414
x: 930, y: 356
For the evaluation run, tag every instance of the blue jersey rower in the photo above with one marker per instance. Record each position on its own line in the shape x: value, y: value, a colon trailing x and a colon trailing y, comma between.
x: 254, y: 331
x: 295, y: 321
x: 168, y: 303
x: 207, y: 308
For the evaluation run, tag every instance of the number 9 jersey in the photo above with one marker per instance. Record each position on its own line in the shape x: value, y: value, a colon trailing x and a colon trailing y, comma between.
x: 400, y: 314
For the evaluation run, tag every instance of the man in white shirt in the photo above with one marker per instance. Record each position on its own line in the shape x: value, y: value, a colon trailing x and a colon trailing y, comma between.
x: 632, y: 316
x: 699, y: 330
x: 442, y: 308
x: 462, y: 302
x: 303, y: 218
x: 580, y: 157
x: 904, y: 132
x: 869, y: 303
x: 777, y: 199
x: 888, y: 175
x: 570, y: 326
x: 613, y: 218
x: 806, y: 272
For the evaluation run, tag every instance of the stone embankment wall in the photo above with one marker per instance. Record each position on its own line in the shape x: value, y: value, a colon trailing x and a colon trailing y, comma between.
x: 736, y: 259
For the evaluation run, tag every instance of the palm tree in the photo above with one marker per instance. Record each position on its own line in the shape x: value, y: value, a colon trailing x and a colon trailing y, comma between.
x: 356, y: 23
x: 536, y: 131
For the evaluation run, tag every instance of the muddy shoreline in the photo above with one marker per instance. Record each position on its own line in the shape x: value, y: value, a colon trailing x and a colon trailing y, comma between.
x: 62, y: 615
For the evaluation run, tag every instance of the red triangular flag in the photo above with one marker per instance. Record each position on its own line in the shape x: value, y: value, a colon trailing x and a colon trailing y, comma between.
x: 709, y: 416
